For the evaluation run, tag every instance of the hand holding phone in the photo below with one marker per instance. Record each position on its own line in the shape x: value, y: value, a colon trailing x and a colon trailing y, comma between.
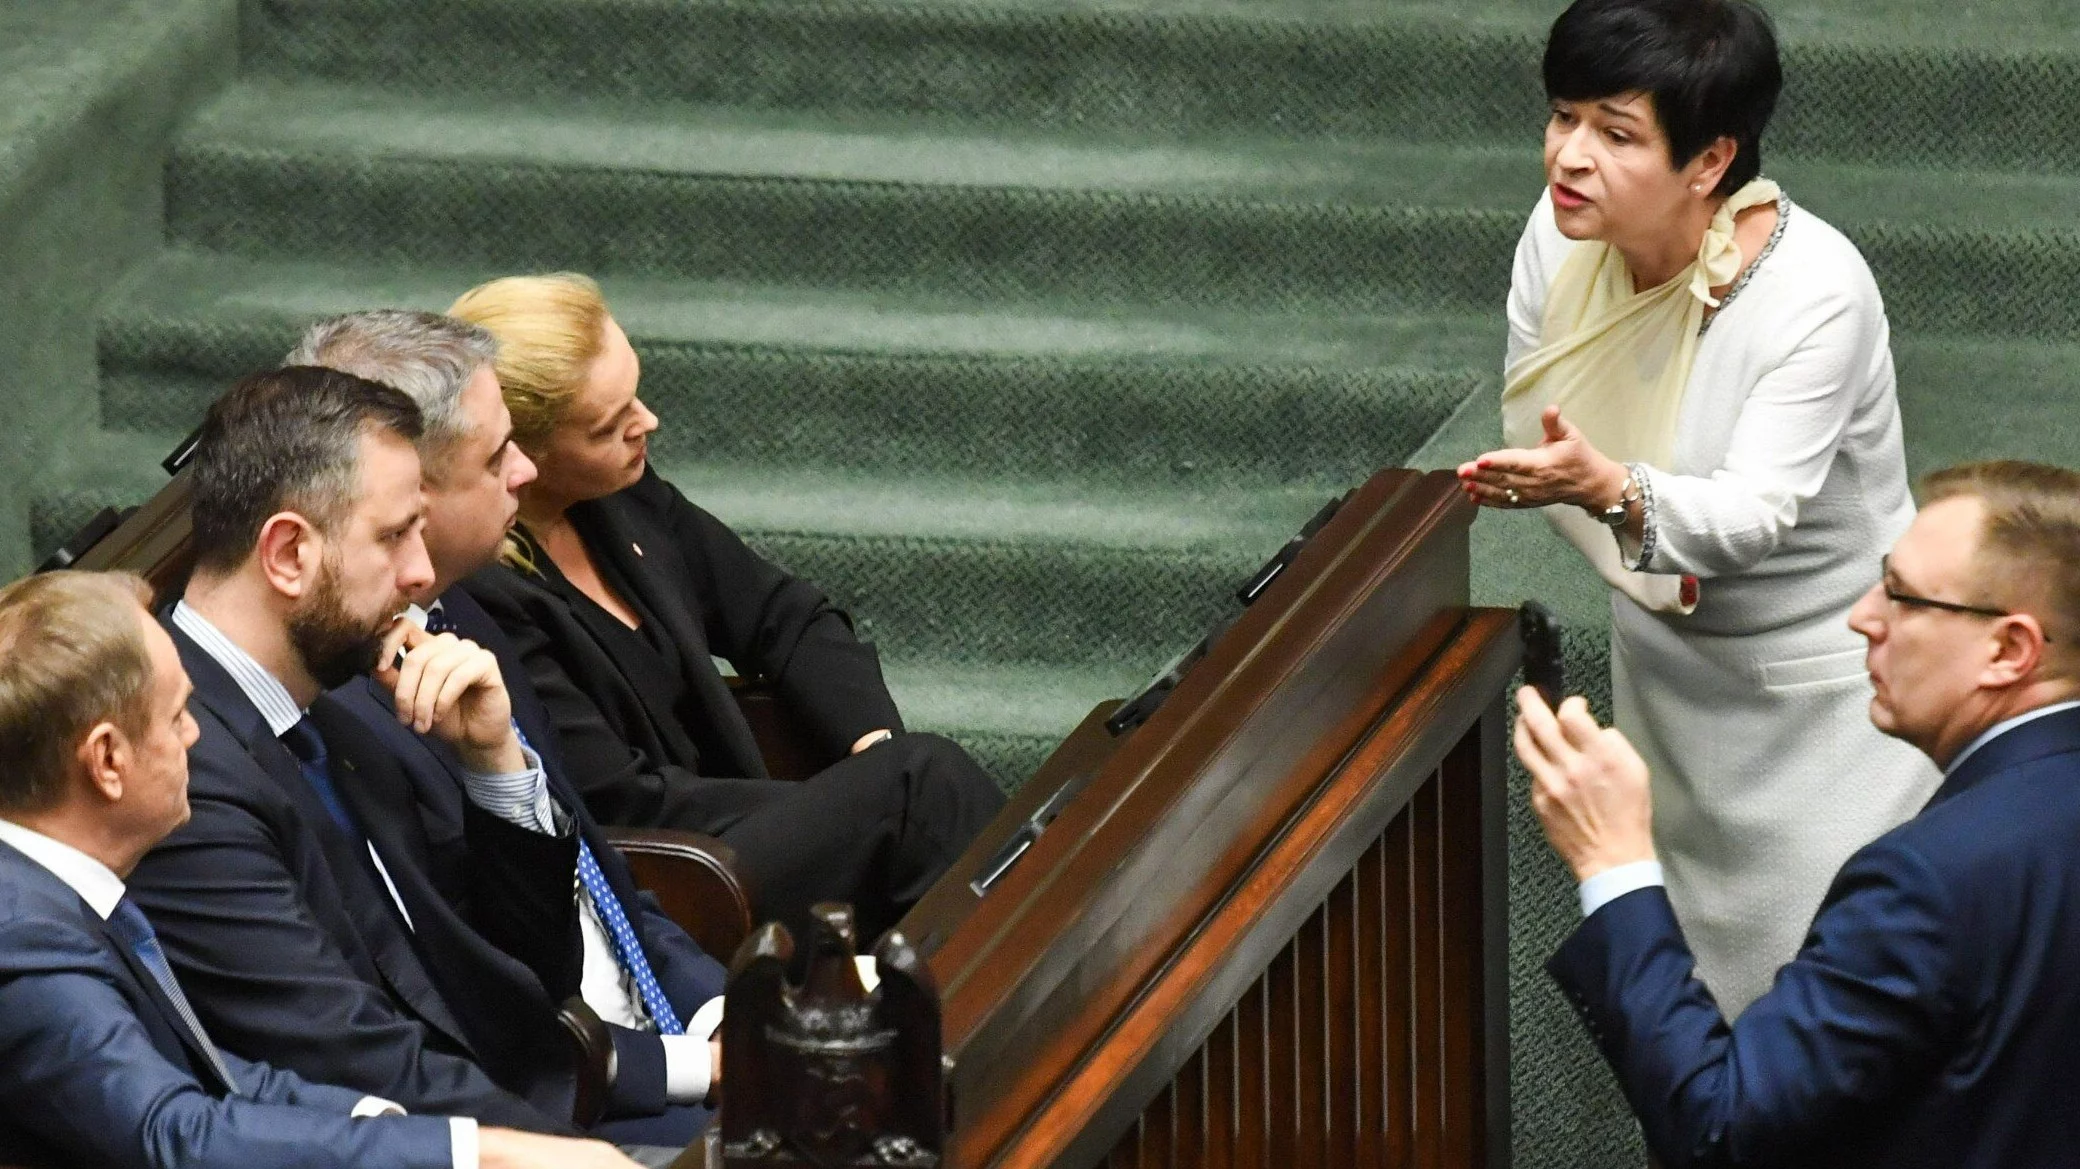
x: 1544, y: 669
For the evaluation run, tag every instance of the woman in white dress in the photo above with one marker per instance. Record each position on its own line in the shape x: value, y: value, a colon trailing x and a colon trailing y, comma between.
x: 1700, y: 395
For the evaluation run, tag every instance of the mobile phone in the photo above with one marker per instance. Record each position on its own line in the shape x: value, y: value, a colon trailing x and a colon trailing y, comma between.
x: 1543, y: 667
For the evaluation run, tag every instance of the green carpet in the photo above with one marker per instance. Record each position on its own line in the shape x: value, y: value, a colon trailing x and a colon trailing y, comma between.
x: 1026, y: 327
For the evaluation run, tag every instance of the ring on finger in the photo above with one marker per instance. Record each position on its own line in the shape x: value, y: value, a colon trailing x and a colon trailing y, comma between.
x: 1514, y: 498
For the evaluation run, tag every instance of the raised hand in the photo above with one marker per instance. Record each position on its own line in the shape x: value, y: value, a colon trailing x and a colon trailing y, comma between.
x: 1588, y: 785
x: 1563, y: 468
x: 452, y: 689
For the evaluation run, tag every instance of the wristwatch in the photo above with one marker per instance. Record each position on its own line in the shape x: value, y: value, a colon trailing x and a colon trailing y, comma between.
x: 1616, y: 514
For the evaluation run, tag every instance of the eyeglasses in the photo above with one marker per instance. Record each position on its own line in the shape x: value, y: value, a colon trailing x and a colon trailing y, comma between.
x: 1900, y: 598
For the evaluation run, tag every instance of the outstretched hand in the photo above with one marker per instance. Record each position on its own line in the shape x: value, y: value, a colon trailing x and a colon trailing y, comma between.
x: 1588, y: 785
x: 1563, y: 468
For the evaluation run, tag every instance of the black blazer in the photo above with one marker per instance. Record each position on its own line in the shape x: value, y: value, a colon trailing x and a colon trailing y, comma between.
x: 291, y: 951
x: 688, y: 976
x: 101, y: 1071
x: 1932, y: 1017
x: 633, y: 755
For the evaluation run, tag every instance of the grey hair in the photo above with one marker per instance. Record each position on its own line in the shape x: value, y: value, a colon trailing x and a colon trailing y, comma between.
x: 429, y: 357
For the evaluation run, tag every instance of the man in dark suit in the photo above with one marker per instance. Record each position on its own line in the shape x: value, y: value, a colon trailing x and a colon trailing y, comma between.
x: 1931, y: 1018
x: 658, y: 996
x: 321, y: 914
x: 106, y: 1062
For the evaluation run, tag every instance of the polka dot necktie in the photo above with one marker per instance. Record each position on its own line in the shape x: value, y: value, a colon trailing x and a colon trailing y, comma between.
x: 626, y: 946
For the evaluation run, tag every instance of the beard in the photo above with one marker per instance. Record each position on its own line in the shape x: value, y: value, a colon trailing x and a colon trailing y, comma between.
x: 334, y: 643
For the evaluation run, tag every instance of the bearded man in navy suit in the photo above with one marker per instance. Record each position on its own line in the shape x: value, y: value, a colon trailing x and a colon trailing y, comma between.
x: 102, y: 1058
x: 1933, y: 1015
x: 662, y: 1018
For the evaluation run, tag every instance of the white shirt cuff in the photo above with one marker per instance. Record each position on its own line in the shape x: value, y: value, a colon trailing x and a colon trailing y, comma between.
x: 369, y: 1106
x: 688, y: 1070
x: 1611, y: 884
x: 462, y: 1141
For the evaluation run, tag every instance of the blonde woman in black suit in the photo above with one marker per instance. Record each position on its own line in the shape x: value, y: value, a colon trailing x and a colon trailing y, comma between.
x: 619, y: 592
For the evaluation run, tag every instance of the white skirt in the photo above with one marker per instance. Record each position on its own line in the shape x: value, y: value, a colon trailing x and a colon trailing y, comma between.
x: 1767, y: 775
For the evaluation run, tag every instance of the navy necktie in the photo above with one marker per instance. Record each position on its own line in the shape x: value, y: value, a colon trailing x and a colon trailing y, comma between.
x: 303, y: 742
x: 438, y: 621
x: 128, y: 923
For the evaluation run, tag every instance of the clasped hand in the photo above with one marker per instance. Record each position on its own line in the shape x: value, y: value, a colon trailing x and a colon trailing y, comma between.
x: 452, y: 689
x: 1562, y: 468
x: 1588, y: 785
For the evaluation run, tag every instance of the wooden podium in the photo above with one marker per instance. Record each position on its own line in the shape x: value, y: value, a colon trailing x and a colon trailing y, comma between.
x: 1267, y: 926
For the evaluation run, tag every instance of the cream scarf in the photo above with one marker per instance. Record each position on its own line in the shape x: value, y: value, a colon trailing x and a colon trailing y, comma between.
x: 1617, y: 362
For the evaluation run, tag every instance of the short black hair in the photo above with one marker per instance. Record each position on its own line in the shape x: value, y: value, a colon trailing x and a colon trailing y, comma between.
x: 285, y: 440
x: 1710, y: 65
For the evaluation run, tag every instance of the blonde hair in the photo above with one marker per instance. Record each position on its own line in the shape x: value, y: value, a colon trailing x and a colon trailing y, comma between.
x: 76, y: 656
x: 2030, y: 534
x: 550, y: 329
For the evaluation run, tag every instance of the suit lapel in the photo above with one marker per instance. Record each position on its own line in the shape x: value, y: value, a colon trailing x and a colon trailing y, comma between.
x: 679, y: 743
x: 381, y: 800
x: 612, y: 537
x: 472, y: 622
x: 219, y: 693
x: 200, y: 1062
x: 2052, y: 734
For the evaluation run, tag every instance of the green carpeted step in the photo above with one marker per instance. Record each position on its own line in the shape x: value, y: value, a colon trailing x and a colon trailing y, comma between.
x: 1241, y: 226
x: 88, y: 471
x: 1966, y: 398
x: 1905, y: 82
x: 712, y: 194
x: 979, y: 571
x: 789, y: 377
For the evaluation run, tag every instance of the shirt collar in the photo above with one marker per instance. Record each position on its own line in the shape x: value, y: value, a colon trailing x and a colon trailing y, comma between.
x: 261, y: 688
x: 95, y: 882
x: 2001, y: 728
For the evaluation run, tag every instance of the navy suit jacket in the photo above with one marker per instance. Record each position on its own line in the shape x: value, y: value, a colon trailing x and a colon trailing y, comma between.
x: 1932, y: 1017
x: 688, y: 976
x: 289, y: 946
x: 97, y: 1069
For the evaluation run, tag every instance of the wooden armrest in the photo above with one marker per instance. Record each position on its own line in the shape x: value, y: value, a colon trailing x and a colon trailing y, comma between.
x: 695, y: 880
x: 592, y: 1060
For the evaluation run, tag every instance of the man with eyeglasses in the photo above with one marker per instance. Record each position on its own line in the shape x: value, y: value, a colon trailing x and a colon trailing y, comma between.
x: 1932, y: 1017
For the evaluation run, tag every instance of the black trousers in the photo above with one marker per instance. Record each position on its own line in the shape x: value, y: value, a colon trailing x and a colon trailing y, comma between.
x: 873, y: 830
